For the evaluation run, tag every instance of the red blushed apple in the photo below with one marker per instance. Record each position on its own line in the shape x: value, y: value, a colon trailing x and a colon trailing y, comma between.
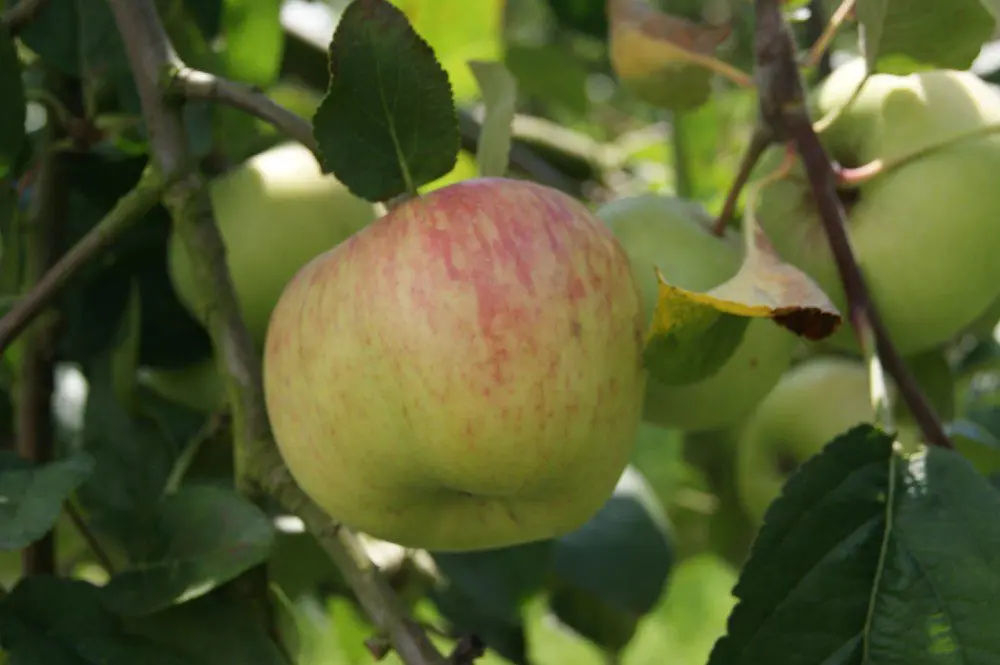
x: 464, y: 373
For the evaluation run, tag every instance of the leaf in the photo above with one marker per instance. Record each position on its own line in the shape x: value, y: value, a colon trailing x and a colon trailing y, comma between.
x: 458, y: 31
x: 500, y: 99
x: 62, y: 621
x: 254, y: 40
x: 977, y: 436
x: 211, y: 629
x: 12, y: 105
x: 505, y: 636
x: 387, y: 125
x: 209, y: 535
x: 946, y: 35
x: 868, y: 552
x: 125, y: 357
x: 623, y: 555
x: 692, y: 334
x: 663, y: 57
x: 607, y: 626
x: 32, y: 497
x: 498, y: 580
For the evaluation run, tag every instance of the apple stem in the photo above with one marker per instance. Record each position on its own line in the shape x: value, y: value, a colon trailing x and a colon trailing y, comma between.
x: 783, y: 105
x: 760, y: 140
x: 126, y: 212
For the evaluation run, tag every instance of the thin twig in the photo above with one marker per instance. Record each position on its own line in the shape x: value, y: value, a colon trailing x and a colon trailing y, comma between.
x: 126, y: 212
x: 197, y: 85
x: 88, y: 536
x: 819, y: 48
x: 21, y: 14
x: 759, y: 142
x: 154, y: 62
x: 783, y: 108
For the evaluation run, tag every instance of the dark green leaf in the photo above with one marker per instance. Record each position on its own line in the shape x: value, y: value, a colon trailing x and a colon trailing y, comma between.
x: 498, y: 580
x: 977, y: 437
x: 31, y: 497
x: 938, y: 34
x: 467, y: 617
x: 208, y: 536
x: 623, y: 555
x: 609, y: 627
x: 62, y: 622
x: 211, y: 629
x: 387, y: 125
x: 12, y: 109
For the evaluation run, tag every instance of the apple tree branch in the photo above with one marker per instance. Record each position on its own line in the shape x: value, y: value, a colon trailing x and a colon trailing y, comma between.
x: 782, y: 107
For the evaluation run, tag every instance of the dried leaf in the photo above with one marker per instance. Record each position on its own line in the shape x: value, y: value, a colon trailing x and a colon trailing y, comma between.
x: 668, y: 60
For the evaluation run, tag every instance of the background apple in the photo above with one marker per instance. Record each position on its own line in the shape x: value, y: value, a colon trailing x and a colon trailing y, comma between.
x: 465, y: 373
x: 276, y: 211
x: 925, y: 232
x: 675, y: 236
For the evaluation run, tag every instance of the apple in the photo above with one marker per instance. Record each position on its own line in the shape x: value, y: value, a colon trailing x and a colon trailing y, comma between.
x: 465, y: 373
x: 817, y: 400
x: 196, y: 386
x: 924, y: 231
x: 276, y: 211
x: 675, y: 235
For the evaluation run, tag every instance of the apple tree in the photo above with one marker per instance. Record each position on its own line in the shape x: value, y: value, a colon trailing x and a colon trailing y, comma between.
x: 499, y: 331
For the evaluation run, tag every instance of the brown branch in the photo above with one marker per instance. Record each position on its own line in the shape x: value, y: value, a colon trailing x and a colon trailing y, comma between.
x: 126, y: 212
x: 783, y: 109
x: 197, y: 85
x: 760, y: 140
x: 154, y: 64
x: 36, y: 381
x: 21, y: 14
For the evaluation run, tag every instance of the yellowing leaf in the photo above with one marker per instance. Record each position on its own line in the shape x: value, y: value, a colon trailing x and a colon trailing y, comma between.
x: 669, y: 61
x: 693, y: 334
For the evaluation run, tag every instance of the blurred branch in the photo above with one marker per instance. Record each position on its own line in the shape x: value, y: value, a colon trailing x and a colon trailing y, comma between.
x: 154, y: 62
x: 36, y: 381
x: 21, y: 14
x: 129, y: 209
x: 820, y: 49
x: 783, y: 110
x: 93, y: 544
x: 197, y: 85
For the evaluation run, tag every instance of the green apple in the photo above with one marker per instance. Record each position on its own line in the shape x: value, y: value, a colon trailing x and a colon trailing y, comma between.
x: 675, y: 235
x: 924, y: 231
x: 197, y: 386
x: 815, y: 401
x: 276, y: 212
x: 465, y: 373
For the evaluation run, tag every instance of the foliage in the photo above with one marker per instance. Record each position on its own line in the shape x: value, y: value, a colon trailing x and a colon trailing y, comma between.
x: 138, y: 524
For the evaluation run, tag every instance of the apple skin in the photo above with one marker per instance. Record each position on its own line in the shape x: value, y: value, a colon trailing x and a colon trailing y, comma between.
x: 465, y: 373
x: 276, y: 211
x: 674, y: 235
x: 924, y: 233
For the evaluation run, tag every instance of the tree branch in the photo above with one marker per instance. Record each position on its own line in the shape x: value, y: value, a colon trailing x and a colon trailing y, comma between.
x: 783, y: 109
x: 154, y: 64
x: 21, y: 14
x: 197, y: 85
x: 126, y: 212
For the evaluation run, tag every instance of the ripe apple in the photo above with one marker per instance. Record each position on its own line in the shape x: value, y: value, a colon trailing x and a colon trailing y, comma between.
x: 465, y: 373
x: 674, y: 235
x: 924, y: 231
x: 276, y: 211
x: 817, y: 400
x: 197, y: 386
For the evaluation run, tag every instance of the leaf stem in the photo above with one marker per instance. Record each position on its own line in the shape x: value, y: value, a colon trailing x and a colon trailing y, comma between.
x: 126, y: 212
x: 88, y: 536
x: 832, y: 27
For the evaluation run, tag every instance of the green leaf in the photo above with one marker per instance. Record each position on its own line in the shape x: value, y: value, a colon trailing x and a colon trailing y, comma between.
x: 254, y: 40
x: 977, y: 437
x: 211, y: 629
x: 12, y: 105
x: 623, y: 555
x: 125, y: 357
x: 63, y: 622
x: 208, y: 536
x: 699, y: 344
x: 387, y: 125
x: 31, y: 497
x: 935, y: 34
x: 499, y: 90
x: 505, y: 636
x: 609, y: 627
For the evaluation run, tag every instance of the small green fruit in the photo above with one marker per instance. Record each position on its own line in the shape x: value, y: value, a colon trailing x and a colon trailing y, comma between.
x: 675, y: 236
x: 276, y: 212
